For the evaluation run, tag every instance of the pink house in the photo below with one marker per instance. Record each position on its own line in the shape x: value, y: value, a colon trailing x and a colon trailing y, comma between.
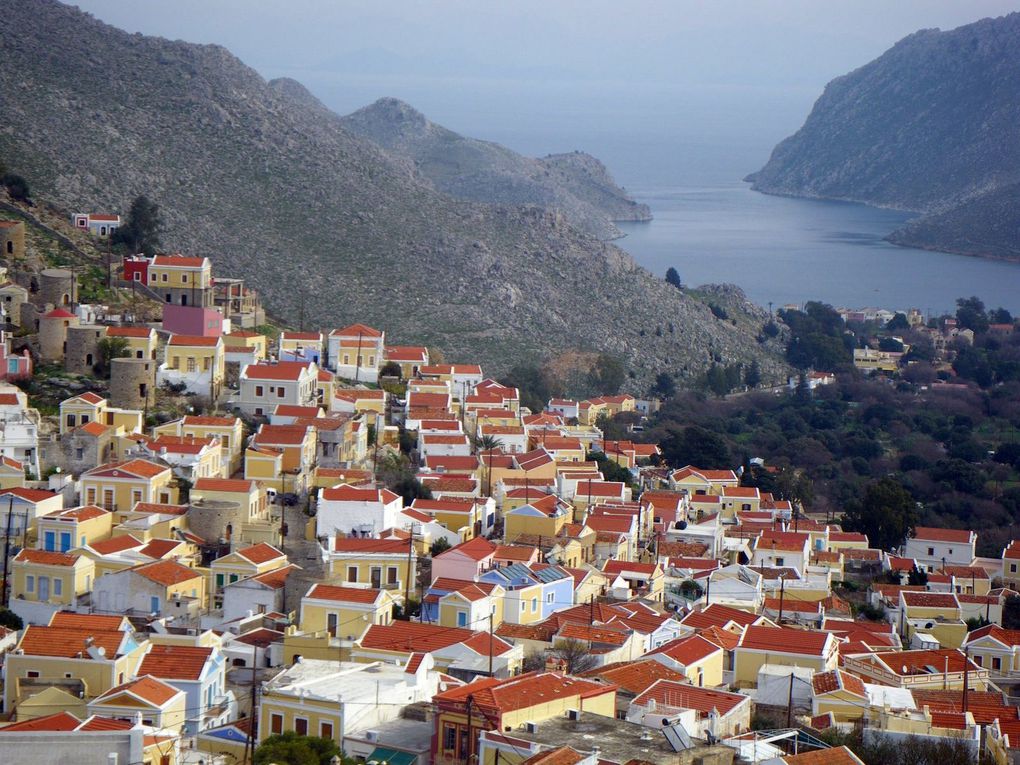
x: 192, y: 320
x: 466, y: 561
x: 13, y: 366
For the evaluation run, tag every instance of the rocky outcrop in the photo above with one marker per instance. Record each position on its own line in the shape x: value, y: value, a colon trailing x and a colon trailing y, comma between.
x: 929, y: 126
x: 274, y: 187
x: 577, y: 184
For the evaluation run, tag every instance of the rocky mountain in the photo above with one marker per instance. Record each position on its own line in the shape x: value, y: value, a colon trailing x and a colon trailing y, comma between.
x: 930, y: 126
x: 326, y: 224
x: 577, y: 184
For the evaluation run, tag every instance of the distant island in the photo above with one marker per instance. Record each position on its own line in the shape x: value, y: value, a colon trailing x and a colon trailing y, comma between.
x: 929, y: 127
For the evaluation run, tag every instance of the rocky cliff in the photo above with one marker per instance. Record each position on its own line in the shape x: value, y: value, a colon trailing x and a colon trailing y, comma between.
x: 578, y: 185
x: 929, y: 126
x: 274, y: 187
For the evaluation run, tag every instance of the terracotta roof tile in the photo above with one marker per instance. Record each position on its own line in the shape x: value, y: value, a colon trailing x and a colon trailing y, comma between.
x: 175, y: 662
x: 147, y: 688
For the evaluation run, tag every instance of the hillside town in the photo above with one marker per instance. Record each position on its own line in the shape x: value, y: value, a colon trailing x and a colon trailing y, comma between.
x: 218, y: 535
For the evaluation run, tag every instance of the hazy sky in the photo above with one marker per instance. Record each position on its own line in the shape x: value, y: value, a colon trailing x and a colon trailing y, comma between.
x: 550, y: 75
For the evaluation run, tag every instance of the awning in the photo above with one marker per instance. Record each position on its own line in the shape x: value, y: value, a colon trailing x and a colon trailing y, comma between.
x: 384, y: 756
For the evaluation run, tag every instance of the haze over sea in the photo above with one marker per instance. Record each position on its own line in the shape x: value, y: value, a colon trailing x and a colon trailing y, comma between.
x: 713, y: 228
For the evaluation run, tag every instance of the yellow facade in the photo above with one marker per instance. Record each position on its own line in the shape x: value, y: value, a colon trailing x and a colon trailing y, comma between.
x: 246, y: 342
x: 264, y: 466
x: 517, y: 523
x: 170, y: 716
x: 234, y: 567
x: 280, y: 712
x: 747, y: 663
x: 83, y: 532
x: 115, y: 488
x: 390, y: 571
x: 55, y: 584
x: 11, y: 475
x: 180, y: 274
x: 231, y: 436
x: 845, y: 707
x: 78, y: 411
x: 455, y: 609
x: 140, y: 347
x: 188, y: 358
x: 345, y: 619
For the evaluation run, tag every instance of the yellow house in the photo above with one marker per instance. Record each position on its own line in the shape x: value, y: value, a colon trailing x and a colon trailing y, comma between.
x: 56, y: 578
x: 377, y: 563
x: 297, y: 446
x: 160, y: 704
x: 242, y: 341
x: 358, y: 400
x: 787, y: 647
x: 471, y: 603
x: 229, y: 430
x: 48, y: 701
x: 264, y: 465
x: 332, y: 699
x: 90, y: 649
x: 80, y: 410
x: 700, y: 661
x: 141, y: 341
x: 179, y: 272
x: 198, y: 362
x: 542, y: 517
x: 12, y: 473
x: 243, y: 563
x: 840, y: 693
x: 344, y: 612
x: 120, y: 486
x: 935, y: 613
x: 509, y: 705
x: 63, y: 530
x: 300, y: 346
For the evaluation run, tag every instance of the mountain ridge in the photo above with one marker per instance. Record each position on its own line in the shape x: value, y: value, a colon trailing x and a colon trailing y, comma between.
x: 927, y: 127
x: 274, y: 187
x: 484, y: 171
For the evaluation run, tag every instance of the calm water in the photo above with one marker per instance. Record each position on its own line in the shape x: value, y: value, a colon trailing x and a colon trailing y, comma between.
x: 784, y: 250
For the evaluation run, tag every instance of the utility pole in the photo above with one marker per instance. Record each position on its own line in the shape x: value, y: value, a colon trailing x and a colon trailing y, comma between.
x: 411, y: 573
x: 490, y: 641
x: 7, y: 544
x: 467, y: 749
x: 250, y: 742
x: 782, y: 592
x: 966, y: 676
x: 357, y: 359
x: 789, y: 704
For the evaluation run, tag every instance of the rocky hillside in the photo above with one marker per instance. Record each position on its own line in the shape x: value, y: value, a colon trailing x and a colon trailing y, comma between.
x: 929, y: 126
x: 578, y: 185
x: 275, y: 188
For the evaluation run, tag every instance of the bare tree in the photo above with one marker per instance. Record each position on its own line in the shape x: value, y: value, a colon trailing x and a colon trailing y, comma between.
x: 575, y: 655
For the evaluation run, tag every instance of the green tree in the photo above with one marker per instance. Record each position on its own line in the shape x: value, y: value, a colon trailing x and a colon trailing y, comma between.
x: 752, y: 375
x: 898, y: 323
x: 110, y: 348
x: 1000, y: 316
x: 887, y: 514
x: 970, y: 314
x: 291, y: 749
x: 141, y: 229
x: 390, y: 369
x: 487, y: 446
x: 16, y: 186
x: 438, y: 547
x: 890, y: 344
x: 10, y: 620
x: 607, y: 375
x: 672, y: 277
x: 695, y: 445
x: 665, y: 385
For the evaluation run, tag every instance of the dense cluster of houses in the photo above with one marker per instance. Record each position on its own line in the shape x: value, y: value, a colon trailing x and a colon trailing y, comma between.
x: 206, y: 582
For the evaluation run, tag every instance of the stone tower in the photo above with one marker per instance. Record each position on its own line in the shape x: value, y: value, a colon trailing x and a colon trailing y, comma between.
x: 132, y: 383
x: 57, y: 286
x: 53, y: 328
x: 83, y: 348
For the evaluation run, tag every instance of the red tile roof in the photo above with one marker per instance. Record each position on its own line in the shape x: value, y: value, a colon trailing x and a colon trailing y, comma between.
x: 523, y: 691
x: 177, y: 261
x: 930, y: 600
x: 280, y: 370
x: 718, y: 615
x: 193, y: 341
x: 682, y: 695
x: 343, y: 594
x: 45, y: 558
x: 782, y: 640
x: 148, y: 688
x: 116, y: 544
x: 354, y: 330
x: 360, y: 545
x: 634, y: 676
x: 929, y: 534
x: 30, y: 495
x: 175, y: 662
x: 68, y: 642
x: 837, y: 679
x: 686, y: 651
x: 55, y: 723
x: 131, y: 469
x: 476, y: 549
x: 239, y: 485
x: 166, y: 572
x: 81, y: 513
x: 260, y: 553
x: 347, y: 493
x: 101, y: 622
x: 413, y: 636
x: 142, y: 332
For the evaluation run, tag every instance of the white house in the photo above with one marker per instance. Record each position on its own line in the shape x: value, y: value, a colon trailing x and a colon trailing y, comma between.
x: 262, y: 593
x: 737, y: 586
x: 932, y: 547
x: 265, y: 386
x: 198, y: 670
x: 703, y: 710
x: 151, y: 588
x: 19, y: 426
x: 348, y: 510
x: 782, y: 549
x: 27, y: 505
